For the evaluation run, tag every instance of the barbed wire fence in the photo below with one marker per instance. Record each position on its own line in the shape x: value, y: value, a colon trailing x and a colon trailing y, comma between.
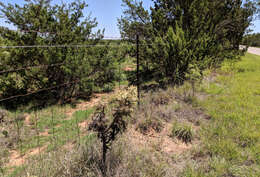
x: 42, y: 127
x: 64, y: 63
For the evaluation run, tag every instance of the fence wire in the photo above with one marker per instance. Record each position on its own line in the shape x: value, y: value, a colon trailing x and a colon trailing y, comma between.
x: 61, y: 63
x: 48, y: 65
x: 40, y: 90
x: 30, y: 67
x: 72, y: 46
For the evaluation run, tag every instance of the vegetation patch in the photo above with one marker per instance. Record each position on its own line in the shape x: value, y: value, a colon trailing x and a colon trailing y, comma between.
x: 183, y: 132
x: 147, y: 125
x: 233, y: 136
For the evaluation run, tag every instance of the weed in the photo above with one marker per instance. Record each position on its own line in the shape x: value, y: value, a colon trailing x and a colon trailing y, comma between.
x: 182, y: 131
x: 161, y: 98
x: 176, y: 107
x: 3, y: 114
x: 192, y: 100
x: 144, y: 126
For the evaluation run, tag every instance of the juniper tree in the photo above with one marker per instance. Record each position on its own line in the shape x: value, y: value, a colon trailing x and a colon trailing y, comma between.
x: 188, y: 32
x: 38, y: 22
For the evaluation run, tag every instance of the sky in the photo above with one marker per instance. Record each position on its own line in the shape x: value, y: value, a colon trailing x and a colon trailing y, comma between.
x: 107, y: 12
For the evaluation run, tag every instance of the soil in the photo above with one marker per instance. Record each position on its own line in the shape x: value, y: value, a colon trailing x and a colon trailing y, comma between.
x: 129, y: 69
x: 159, y: 141
x: 17, y: 159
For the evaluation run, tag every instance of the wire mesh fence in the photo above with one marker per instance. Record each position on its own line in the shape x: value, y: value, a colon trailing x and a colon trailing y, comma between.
x: 36, y: 120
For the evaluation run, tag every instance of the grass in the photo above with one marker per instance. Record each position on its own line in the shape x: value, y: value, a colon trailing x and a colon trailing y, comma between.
x: 60, y: 130
x: 50, y: 128
x: 182, y: 131
x: 223, y: 124
x: 233, y: 136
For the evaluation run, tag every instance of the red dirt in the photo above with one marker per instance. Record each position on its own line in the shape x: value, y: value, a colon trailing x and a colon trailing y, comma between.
x: 129, y: 69
x: 160, y: 141
x: 83, y: 125
x: 83, y: 105
x: 16, y: 159
x: 46, y: 133
x: 27, y: 120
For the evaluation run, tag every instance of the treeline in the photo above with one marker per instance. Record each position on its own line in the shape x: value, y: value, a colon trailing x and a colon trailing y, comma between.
x: 252, y: 40
x: 178, y: 39
x: 184, y: 37
x: 68, y: 70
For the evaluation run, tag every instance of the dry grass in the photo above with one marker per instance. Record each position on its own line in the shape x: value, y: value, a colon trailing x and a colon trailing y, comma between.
x: 146, y: 149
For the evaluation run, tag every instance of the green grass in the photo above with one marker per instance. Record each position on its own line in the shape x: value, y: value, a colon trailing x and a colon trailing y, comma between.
x: 228, y: 144
x: 233, y: 136
x: 54, y: 120
x: 60, y: 129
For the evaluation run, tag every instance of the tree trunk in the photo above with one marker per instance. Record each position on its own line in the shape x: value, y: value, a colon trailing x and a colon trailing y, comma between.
x: 104, y: 156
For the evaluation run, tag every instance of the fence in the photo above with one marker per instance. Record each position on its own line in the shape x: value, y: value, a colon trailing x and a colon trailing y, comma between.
x: 25, y: 68
x: 47, y: 126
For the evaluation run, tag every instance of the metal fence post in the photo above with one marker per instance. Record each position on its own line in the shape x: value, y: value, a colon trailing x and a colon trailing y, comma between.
x: 137, y: 69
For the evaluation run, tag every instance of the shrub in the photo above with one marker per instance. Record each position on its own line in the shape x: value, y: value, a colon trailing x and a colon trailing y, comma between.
x: 182, y: 131
x: 144, y: 126
x: 69, y: 71
x: 161, y: 98
x: 108, y: 131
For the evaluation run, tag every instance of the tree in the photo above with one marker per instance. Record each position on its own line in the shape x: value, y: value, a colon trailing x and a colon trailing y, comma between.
x: 40, y: 23
x: 189, y: 32
x: 252, y: 40
x: 135, y: 20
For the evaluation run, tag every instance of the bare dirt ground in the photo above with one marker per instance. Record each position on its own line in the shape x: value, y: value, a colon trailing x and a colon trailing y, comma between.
x: 17, y: 159
x: 160, y: 141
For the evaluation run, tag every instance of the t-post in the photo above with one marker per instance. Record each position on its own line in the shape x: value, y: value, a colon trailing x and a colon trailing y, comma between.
x: 137, y: 70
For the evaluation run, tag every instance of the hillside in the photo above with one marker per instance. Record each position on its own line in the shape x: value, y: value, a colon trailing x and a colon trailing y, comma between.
x: 175, y: 132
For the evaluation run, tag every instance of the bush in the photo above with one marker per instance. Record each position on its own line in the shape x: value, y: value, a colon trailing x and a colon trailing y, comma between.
x: 182, y: 131
x: 144, y: 126
x: 69, y: 71
x: 107, y: 131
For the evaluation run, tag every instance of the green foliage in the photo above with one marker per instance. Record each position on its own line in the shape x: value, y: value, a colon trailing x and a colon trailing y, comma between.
x: 166, y: 54
x: 135, y: 19
x: 252, y: 40
x: 182, y: 131
x: 82, y: 69
x: 181, y: 35
x: 233, y: 136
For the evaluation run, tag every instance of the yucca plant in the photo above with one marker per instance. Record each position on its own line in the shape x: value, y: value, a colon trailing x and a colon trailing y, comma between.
x: 182, y: 131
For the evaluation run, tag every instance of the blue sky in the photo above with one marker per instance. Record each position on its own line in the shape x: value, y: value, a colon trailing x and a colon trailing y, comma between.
x: 106, y: 12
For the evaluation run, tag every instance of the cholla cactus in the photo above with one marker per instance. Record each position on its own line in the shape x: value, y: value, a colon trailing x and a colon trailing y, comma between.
x: 123, y: 105
x: 129, y: 94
